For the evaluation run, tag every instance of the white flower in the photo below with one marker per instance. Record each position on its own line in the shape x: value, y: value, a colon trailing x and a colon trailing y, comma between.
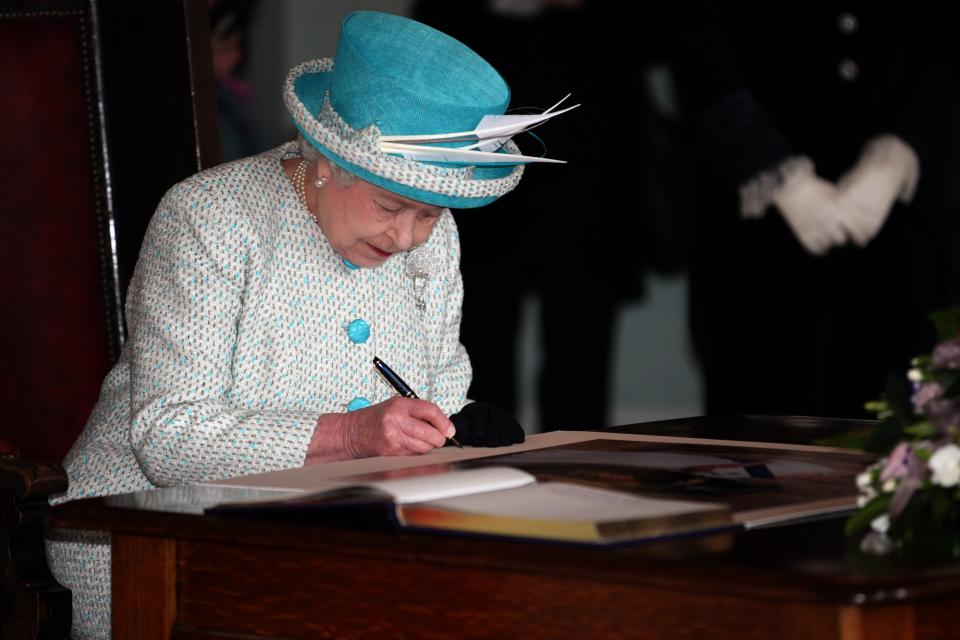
x: 876, y: 543
x: 945, y: 465
x: 881, y: 524
x: 915, y: 375
x: 890, y: 485
x: 864, y: 480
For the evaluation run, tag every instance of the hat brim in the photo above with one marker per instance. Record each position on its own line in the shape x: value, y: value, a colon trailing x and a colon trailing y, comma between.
x: 357, y: 151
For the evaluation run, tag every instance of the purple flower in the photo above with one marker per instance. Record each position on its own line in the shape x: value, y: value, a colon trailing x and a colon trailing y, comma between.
x: 898, y: 463
x: 910, y: 470
x: 925, y: 393
x: 912, y: 480
x: 944, y: 414
x: 946, y: 355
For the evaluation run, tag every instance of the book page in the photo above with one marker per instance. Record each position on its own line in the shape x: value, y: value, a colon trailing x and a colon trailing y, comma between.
x: 425, y: 488
x: 561, y: 501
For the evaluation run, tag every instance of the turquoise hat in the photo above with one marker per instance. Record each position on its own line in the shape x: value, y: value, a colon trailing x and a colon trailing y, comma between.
x: 393, y: 76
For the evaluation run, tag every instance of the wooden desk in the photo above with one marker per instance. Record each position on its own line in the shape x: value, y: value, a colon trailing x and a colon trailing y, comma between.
x: 187, y: 576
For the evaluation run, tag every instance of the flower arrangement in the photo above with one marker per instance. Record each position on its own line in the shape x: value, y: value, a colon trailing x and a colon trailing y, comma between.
x: 910, y: 499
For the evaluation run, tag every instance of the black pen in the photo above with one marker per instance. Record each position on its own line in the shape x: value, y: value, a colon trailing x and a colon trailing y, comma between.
x: 399, y: 385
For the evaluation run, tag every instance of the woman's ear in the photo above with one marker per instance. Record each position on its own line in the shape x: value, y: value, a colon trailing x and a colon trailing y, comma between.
x: 322, y: 173
x: 322, y: 168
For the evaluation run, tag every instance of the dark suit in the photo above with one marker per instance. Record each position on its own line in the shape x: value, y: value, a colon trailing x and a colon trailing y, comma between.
x: 776, y: 329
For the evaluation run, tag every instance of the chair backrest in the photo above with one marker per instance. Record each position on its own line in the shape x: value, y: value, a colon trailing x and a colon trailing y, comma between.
x: 104, y: 104
x: 61, y: 328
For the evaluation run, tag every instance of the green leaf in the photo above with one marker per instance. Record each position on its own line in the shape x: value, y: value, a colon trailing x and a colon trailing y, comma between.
x: 861, y: 519
x: 940, y: 506
x: 915, y: 514
x: 879, y: 407
x: 889, y: 432
x: 885, y: 437
x: 946, y: 322
x: 897, y: 395
x: 853, y: 439
x: 950, y: 381
x: 921, y: 430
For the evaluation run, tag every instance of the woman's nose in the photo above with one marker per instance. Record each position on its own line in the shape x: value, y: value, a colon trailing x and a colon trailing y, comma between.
x: 402, y: 231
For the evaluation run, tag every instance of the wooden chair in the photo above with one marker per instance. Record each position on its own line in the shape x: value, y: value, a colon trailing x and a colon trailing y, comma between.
x: 105, y: 105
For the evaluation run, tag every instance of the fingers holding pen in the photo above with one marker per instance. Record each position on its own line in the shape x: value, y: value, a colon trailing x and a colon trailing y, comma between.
x: 399, y: 426
x: 431, y: 414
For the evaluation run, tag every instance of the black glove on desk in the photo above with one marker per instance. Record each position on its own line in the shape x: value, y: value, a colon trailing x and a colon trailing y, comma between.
x: 483, y: 424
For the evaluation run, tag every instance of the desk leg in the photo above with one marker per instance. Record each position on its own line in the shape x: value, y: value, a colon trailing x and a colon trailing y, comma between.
x: 144, y: 587
x: 888, y: 622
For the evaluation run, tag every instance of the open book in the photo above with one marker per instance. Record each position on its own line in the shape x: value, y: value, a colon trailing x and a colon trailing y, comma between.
x: 605, y: 487
x: 500, y: 501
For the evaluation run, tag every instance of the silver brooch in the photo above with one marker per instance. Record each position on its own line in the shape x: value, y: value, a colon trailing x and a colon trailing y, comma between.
x: 421, y: 262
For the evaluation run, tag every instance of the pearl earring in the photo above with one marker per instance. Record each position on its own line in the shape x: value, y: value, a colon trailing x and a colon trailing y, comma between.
x: 321, y: 182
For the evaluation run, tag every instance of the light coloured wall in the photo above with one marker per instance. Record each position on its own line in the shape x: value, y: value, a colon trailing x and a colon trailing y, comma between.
x: 654, y: 373
x: 287, y: 32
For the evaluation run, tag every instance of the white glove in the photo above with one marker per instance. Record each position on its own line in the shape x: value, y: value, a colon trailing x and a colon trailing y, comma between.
x: 887, y: 170
x: 814, y: 211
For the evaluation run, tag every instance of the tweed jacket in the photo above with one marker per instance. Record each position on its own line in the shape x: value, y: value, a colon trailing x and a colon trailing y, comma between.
x: 243, y: 331
x: 238, y: 316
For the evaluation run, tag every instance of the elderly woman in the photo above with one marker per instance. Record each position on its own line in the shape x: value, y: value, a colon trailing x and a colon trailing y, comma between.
x: 265, y: 288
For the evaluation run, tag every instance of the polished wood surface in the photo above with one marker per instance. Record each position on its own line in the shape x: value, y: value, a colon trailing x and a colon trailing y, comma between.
x: 150, y: 590
x: 254, y: 578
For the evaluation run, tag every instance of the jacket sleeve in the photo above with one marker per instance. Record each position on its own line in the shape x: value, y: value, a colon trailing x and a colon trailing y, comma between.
x: 182, y: 310
x: 451, y: 365
x: 737, y: 135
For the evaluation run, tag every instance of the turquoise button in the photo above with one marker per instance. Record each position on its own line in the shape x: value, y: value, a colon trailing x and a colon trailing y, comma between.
x: 350, y: 265
x: 358, y: 330
x: 358, y: 403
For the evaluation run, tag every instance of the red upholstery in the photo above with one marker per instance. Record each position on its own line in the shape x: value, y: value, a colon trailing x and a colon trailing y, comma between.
x: 55, y: 320
x: 59, y: 280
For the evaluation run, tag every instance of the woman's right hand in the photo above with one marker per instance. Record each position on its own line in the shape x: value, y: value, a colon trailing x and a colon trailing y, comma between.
x: 396, y: 427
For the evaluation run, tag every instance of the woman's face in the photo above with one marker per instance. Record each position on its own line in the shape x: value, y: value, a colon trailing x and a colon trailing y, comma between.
x: 366, y: 224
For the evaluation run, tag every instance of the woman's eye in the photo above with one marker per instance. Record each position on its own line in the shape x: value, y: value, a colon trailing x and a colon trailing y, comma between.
x: 389, y: 208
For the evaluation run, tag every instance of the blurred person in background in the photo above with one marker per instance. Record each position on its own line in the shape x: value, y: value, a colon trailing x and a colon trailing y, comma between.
x: 240, y: 134
x: 826, y: 228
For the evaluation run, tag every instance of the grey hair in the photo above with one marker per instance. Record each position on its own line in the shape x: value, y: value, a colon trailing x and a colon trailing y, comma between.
x: 340, y: 175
